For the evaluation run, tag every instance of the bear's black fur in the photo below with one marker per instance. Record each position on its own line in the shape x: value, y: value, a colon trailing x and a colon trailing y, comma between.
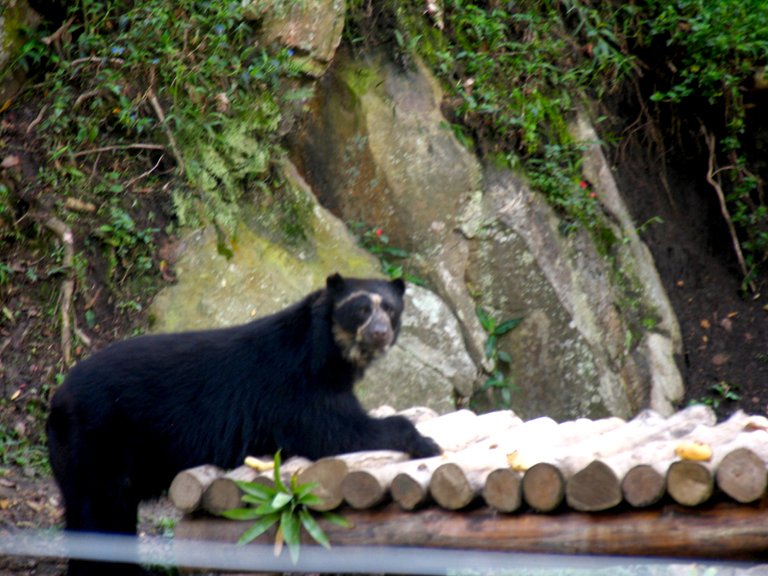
x: 133, y: 415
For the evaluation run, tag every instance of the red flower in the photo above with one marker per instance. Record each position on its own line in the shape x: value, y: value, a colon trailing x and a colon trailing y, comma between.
x: 379, y: 232
x: 583, y: 184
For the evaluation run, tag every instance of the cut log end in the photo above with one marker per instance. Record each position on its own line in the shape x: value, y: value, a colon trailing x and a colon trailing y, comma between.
x: 224, y: 493
x: 503, y: 490
x: 450, y: 488
x: 187, y: 489
x: 543, y: 487
x: 742, y: 476
x: 689, y: 483
x: 362, y: 490
x: 643, y: 486
x: 593, y: 489
x: 407, y: 492
x: 328, y: 473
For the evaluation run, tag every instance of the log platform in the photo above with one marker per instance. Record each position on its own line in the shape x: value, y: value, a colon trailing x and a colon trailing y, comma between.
x: 723, y: 531
x: 682, y: 486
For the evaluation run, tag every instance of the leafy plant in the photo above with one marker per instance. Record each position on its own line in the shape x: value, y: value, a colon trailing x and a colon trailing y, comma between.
x: 129, y: 246
x: 721, y: 392
x: 498, y: 358
x: 182, y: 83
x: 5, y: 273
x: 18, y: 450
x: 285, y: 506
x: 375, y: 241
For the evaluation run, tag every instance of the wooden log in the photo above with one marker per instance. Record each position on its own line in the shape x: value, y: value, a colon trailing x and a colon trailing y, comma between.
x: 543, y: 484
x: 692, y: 483
x: 454, y: 488
x: 741, y: 464
x: 419, y: 414
x: 462, y: 429
x: 329, y: 473
x: 503, y: 490
x: 410, y: 486
x: 643, y: 485
x: 593, y: 489
x: 544, y: 487
x: 452, y: 431
x: 647, y: 427
x: 461, y: 434
x: 689, y: 483
x: 644, y: 468
x: 497, y: 425
x: 598, y: 486
x: 367, y: 488
x: 722, y: 532
x: 742, y: 475
x: 187, y: 488
x: 456, y: 484
x: 224, y: 493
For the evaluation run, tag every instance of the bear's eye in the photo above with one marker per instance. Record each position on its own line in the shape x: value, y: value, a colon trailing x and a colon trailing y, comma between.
x: 364, y: 311
x: 387, y: 307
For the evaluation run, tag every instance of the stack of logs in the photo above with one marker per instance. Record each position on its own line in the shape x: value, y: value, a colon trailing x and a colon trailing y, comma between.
x: 496, y: 458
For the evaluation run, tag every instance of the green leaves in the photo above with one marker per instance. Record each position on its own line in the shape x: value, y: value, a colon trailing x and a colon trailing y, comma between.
x: 495, y: 329
x: 375, y: 241
x: 285, y: 507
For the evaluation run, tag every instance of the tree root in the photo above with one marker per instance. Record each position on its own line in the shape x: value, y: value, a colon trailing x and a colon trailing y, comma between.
x: 709, y: 138
x: 64, y: 233
x: 161, y: 116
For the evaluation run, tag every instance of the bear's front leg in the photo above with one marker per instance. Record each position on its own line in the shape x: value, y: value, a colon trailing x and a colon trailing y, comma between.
x: 399, y: 433
x: 334, y: 433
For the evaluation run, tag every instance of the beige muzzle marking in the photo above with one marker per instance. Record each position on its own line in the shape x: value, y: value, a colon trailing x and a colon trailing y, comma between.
x: 376, y: 301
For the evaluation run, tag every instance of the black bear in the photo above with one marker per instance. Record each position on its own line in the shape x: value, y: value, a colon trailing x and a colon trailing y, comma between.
x: 130, y: 417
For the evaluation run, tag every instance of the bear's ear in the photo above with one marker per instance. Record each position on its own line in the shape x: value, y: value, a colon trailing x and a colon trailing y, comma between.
x: 334, y: 282
x: 399, y: 285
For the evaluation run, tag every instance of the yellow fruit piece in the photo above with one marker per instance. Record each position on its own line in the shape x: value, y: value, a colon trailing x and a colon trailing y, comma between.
x: 693, y: 450
x: 517, y: 462
x: 259, y: 465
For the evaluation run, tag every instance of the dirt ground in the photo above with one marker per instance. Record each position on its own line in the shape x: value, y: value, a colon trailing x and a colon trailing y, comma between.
x: 724, y: 329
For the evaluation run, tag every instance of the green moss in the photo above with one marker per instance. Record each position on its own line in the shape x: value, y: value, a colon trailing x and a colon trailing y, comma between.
x: 358, y: 77
x: 12, y: 21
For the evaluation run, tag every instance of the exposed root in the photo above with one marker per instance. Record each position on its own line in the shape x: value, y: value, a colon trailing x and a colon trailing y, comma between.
x: 161, y: 116
x: 709, y: 138
x: 97, y: 60
x: 37, y: 120
x: 133, y: 181
x: 67, y: 286
x: 115, y: 148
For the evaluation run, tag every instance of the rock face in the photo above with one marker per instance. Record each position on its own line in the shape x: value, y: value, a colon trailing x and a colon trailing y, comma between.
x: 598, y: 336
x: 15, y: 15
x: 379, y: 134
x: 312, y: 27
x: 262, y: 276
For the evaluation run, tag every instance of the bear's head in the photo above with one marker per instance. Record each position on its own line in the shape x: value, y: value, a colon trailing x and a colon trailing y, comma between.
x: 366, y: 316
